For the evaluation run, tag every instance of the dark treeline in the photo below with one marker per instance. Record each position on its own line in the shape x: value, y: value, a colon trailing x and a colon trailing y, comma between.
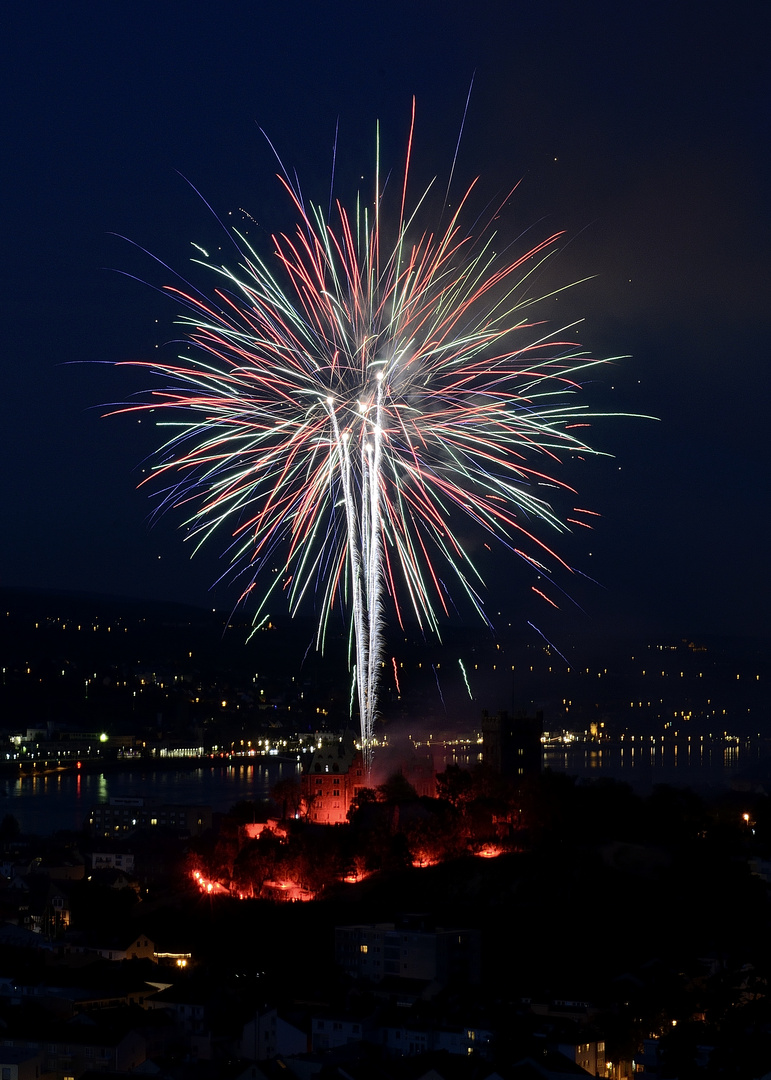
x: 653, y: 909
x: 591, y: 875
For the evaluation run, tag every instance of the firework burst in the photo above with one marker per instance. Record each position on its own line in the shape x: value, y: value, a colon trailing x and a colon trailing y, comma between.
x: 345, y: 408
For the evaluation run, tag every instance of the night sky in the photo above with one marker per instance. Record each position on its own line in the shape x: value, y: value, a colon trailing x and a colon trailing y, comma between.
x: 642, y: 130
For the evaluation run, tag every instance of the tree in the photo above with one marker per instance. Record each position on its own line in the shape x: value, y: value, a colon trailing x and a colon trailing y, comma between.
x: 258, y: 861
x: 432, y: 834
x: 396, y: 789
x: 287, y: 794
x: 455, y: 785
x: 365, y: 796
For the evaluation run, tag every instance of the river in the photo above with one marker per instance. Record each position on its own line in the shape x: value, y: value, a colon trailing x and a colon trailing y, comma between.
x: 62, y: 800
x: 45, y: 804
x: 701, y: 764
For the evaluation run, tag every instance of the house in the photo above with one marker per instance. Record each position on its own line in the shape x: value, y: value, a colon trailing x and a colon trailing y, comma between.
x: 18, y: 937
x: 63, y: 998
x: 18, y: 1063
x: 331, y: 1031
x: 588, y: 1053
x: 332, y: 779
x: 127, y: 947
x: 42, y: 905
x: 62, y: 867
x: 188, y: 1004
x: 114, y: 859
x: 259, y: 1037
x: 115, y: 879
x: 551, y: 1065
x: 268, y: 1030
x: 107, y: 1040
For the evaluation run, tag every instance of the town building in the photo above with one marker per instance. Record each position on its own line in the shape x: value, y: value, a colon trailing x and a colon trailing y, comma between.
x: 107, y: 1043
x: 112, y: 860
x: 590, y: 1055
x: 20, y: 1063
x: 410, y: 949
x: 124, y: 814
x: 266, y: 1034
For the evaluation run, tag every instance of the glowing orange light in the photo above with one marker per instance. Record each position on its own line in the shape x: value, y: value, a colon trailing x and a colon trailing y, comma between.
x: 490, y: 851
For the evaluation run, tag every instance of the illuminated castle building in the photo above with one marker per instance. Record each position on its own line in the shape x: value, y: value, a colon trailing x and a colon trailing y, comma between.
x: 512, y: 744
x: 335, y: 774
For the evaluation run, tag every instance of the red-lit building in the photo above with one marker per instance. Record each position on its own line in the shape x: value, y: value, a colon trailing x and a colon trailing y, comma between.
x: 334, y: 775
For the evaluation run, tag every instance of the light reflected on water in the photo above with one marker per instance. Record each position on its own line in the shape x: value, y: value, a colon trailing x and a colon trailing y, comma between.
x: 714, y: 764
x: 46, y: 803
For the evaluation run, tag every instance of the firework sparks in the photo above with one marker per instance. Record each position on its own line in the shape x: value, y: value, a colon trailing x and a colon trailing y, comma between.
x: 396, y: 676
x: 342, y: 416
x: 465, y: 678
x: 439, y: 687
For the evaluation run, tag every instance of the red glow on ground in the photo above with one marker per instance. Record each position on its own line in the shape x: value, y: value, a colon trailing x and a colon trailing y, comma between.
x: 356, y: 876
x: 208, y: 887
x: 287, y: 890
x: 490, y: 851
x: 253, y: 831
x: 274, y: 890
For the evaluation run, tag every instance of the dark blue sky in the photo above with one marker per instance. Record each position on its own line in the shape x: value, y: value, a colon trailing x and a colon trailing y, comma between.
x: 642, y: 130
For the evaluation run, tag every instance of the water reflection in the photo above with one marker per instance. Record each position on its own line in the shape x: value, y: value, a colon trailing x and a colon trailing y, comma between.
x: 42, y: 806
x: 715, y: 765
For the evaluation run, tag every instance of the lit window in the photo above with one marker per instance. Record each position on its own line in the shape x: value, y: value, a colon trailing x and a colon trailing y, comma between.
x: 363, y: 948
